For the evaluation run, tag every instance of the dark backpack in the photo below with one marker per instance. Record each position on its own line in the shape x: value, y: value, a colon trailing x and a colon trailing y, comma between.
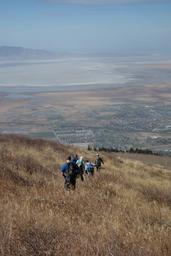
x: 72, y: 170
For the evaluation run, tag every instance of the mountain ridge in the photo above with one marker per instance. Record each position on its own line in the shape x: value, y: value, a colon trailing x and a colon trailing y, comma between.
x: 17, y: 52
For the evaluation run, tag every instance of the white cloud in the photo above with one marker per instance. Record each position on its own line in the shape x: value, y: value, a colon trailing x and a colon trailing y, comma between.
x: 105, y: 2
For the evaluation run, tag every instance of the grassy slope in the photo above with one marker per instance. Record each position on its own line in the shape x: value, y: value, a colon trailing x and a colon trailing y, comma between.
x: 124, y: 210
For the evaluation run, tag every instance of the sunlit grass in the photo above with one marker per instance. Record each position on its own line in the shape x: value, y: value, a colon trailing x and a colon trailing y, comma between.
x: 123, y: 210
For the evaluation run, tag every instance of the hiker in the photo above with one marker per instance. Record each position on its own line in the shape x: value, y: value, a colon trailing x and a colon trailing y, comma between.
x: 74, y: 158
x: 80, y: 164
x: 89, y: 168
x: 69, y: 173
x: 98, y: 162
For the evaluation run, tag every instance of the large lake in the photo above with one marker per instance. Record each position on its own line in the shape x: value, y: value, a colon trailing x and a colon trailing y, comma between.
x: 62, y: 72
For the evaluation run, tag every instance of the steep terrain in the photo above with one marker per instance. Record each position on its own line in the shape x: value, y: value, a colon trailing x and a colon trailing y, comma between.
x: 123, y: 210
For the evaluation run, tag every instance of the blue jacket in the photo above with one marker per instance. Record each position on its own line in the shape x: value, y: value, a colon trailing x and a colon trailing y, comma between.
x: 64, y: 168
x: 89, y: 167
x: 74, y: 160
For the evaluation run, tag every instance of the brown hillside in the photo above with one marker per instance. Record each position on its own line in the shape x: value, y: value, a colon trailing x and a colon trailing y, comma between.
x: 125, y: 210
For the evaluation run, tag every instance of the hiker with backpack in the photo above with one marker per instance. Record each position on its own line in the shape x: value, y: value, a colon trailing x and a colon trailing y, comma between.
x: 89, y: 168
x: 69, y: 172
x: 74, y: 158
x: 98, y: 162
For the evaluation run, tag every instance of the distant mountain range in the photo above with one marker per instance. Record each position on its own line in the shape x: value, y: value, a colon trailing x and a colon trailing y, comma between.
x: 11, y: 52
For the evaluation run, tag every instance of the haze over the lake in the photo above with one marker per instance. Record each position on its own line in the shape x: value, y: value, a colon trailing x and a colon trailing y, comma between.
x: 86, y: 36
x: 84, y: 26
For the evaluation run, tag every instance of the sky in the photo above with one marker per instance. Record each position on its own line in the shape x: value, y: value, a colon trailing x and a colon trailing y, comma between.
x: 93, y: 26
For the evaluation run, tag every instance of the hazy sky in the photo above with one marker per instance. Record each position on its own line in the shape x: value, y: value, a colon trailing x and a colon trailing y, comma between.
x: 87, y: 25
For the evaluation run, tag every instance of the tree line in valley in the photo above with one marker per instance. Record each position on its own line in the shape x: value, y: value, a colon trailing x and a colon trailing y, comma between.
x: 130, y: 150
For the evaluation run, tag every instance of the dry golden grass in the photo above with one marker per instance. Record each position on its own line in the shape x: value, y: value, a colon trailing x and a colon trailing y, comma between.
x: 124, y: 210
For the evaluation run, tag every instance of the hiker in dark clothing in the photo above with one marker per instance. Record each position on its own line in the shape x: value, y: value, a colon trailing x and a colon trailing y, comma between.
x: 69, y: 173
x: 74, y: 158
x: 98, y: 162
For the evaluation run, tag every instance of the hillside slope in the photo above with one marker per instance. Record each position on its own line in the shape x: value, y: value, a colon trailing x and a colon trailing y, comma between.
x: 124, y: 210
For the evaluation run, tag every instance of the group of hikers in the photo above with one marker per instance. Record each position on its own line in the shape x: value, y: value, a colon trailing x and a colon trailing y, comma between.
x: 75, y: 167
